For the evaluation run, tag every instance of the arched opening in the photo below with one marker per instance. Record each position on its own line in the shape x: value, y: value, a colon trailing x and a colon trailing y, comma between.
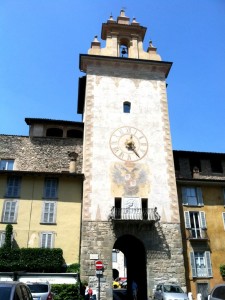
x: 135, y: 257
x: 124, y: 48
x: 54, y: 132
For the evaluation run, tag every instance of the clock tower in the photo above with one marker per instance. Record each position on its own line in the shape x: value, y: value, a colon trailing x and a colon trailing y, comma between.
x: 129, y: 196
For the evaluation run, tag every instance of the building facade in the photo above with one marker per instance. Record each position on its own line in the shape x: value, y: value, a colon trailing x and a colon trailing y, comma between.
x: 41, y: 186
x: 201, y: 186
x: 128, y: 162
x: 112, y: 184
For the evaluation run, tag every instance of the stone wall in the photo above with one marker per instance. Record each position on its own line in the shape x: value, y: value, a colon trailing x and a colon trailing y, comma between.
x: 42, y: 154
x: 163, y: 251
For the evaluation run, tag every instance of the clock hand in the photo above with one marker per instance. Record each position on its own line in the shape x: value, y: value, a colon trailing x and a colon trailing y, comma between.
x: 133, y: 149
x: 131, y: 146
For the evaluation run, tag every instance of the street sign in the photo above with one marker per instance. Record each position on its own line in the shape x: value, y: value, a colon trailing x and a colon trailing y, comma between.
x: 99, y: 265
x: 99, y: 272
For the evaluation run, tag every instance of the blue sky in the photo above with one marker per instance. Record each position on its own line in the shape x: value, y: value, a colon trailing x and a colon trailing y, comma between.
x: 40, y: 43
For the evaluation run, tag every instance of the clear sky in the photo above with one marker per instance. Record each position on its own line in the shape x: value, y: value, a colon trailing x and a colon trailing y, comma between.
x: 40, y: 43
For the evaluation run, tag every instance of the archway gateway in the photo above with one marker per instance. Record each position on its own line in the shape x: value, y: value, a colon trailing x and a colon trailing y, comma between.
x: 135, y: 256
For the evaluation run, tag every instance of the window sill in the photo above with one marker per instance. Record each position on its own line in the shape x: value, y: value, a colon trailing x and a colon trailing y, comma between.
x: 8, y: 222
x: 45, y: 223
x: 193, y: 205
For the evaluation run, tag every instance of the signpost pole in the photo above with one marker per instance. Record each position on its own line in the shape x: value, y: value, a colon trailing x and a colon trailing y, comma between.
x: 99, y: 287
x: 99, y: 273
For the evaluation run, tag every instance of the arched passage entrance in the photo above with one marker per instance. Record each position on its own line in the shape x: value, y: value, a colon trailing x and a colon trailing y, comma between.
x: 135, y: 254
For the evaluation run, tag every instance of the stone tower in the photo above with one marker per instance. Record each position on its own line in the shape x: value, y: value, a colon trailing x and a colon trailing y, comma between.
x: 129, y: 195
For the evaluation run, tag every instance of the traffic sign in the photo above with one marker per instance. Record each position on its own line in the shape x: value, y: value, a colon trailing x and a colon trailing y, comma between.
x: 99, y: 265
x: 99, y: 272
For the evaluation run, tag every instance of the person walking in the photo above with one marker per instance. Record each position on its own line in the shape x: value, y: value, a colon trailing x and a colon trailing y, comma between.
x: 88, y: 293
x: 134, y: 288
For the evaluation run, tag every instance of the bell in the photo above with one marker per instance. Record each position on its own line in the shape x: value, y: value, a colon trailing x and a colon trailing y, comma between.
x: 123, y: 51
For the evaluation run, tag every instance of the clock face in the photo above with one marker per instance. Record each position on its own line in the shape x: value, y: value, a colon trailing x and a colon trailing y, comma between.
x: 128, y: 143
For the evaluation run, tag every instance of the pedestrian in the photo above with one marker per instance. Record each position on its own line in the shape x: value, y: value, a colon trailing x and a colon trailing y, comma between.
x: 134, y: 288
x: 86, y: 295
x: 90, y: 293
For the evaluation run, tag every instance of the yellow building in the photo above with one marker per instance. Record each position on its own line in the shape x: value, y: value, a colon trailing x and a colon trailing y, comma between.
x: 41, y: 187
x: 201, y: 185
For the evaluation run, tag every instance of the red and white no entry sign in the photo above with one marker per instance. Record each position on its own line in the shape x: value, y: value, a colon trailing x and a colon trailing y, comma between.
x: 99, y: 265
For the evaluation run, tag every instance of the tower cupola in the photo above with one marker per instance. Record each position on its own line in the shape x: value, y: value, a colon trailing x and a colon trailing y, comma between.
x: 123, y: 39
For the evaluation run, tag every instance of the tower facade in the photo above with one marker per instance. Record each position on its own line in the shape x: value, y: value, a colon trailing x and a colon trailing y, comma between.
x: 129, y: 194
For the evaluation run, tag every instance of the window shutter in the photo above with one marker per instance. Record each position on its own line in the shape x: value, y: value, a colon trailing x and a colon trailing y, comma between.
x: 49, y: 240
x: 184, y: 195
x: 199, y: 196
x: 223, y: 216
x: 49, y: 212
x: 193, y: 267
x: 43, y: 239
x: 9, y: 211
x: 50, y: 189
x: 13, y: 187
x: 2, y: 239
x: 187, y: 219
x: 202, y: 220
x: 208, y: 263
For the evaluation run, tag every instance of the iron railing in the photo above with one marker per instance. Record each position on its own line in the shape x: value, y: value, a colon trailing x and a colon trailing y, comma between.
x: 197, y: 234
x: 146, y: 214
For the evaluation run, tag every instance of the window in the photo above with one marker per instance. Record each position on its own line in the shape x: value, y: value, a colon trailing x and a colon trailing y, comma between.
x: 47, y: 239
x: 54, y: 132
x: 51, y: 188
x: 10, y: 211
x: 126, y: 107
x: 6, y: 164
x: 192, y: 196
x: 216, y: 165
x: 203, y: 289
x: 49, y: 212
x: 2, y: 238
x: 201, y: 264
x: 114, y: 256
x: 196, y: 222
x: 74, y: 133
x: 195, y: 163
x: 13, y: 187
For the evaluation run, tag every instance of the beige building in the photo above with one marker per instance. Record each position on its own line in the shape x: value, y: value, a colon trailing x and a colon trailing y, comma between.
x: 41, y: 186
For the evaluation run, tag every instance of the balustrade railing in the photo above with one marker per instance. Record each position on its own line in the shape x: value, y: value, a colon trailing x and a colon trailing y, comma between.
x: 197, y: 234
x: 147, y: 214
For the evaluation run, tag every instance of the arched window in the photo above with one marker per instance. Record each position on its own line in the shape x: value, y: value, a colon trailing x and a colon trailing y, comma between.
x: 124, y: 48
x: 126, y: 107
x: 54, y: 132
